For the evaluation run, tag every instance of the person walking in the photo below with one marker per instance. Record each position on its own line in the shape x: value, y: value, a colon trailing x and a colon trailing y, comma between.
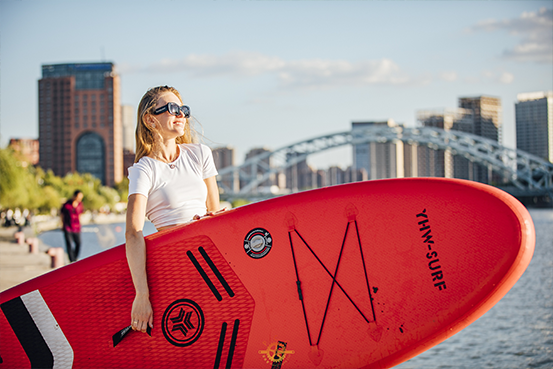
x: 70, y: 213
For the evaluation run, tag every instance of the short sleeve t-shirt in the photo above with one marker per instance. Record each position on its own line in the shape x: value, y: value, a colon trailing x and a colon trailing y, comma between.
x: 71, y: 214
x: 176, y: 191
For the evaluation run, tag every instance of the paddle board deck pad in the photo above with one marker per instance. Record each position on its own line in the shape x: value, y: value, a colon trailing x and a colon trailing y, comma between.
x: 363, y: 275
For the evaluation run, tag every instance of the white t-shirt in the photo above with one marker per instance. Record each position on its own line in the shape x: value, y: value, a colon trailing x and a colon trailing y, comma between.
x: 175, y: 191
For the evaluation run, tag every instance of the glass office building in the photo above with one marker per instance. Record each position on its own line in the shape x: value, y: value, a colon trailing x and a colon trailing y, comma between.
x: 534, y: 123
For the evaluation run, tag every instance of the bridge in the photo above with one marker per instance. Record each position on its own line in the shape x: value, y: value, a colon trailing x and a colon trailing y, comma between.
x: 526, y: 174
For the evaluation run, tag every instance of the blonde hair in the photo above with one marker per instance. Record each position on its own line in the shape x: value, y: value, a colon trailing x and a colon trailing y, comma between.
x: 145, y: 136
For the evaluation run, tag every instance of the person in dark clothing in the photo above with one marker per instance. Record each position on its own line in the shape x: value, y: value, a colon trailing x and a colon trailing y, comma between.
x: 70, y: 212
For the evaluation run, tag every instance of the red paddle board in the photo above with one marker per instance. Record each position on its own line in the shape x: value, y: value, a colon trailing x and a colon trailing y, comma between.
x: 364, y: 275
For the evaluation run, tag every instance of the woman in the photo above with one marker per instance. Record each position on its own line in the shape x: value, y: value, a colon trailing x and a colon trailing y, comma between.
x: 172, y: 182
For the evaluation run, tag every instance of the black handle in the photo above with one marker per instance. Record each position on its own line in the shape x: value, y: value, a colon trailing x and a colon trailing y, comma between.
x: 118, y: 337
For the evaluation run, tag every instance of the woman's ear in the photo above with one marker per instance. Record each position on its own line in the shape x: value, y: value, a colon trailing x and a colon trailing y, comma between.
x: 150, y: 120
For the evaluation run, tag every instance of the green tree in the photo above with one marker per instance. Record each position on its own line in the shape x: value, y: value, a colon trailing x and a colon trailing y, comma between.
x: 123, y: 189
x: 240, y: 202
x: 50, y: 200
x: 110, y: 195
x: 32, y: 188
x: 16, y: 183
x: 95, y: 195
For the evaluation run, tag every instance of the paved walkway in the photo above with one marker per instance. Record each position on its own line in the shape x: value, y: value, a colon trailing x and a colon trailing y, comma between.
x: 17, y: 265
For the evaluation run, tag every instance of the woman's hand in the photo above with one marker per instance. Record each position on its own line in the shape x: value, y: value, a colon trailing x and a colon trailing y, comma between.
x: 209, y: 214
x: 142, y: 314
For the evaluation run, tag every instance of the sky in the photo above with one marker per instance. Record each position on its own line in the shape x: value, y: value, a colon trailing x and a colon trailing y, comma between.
x: 272, y: 73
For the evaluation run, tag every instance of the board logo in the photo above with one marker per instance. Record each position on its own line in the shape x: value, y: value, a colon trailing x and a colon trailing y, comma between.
x: 275, y: 353
x: 183, y: 322
x: 258, y: 243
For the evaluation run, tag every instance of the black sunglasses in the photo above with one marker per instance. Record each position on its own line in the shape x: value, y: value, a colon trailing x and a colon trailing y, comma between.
x: 175, y: 109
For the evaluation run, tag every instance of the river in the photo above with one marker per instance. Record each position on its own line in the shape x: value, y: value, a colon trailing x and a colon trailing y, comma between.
x: 516, y: 333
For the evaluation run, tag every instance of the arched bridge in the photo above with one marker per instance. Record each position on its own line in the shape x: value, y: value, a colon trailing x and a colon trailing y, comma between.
x: 527, y: 174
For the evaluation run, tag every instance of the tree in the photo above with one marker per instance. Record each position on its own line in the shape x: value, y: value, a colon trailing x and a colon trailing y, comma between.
x: 14, y: 181
x: 32, y: 188
x: 123, y: 189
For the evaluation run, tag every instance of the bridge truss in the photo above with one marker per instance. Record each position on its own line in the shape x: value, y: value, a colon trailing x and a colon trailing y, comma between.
x: 528, y: 174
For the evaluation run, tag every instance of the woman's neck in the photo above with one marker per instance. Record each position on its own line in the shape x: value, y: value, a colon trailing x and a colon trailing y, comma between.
x: 166, y: 151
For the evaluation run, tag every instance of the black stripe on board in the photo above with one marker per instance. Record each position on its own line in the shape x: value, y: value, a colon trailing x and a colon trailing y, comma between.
x: 220, y: 346
x: 216, y: 271
x: 28, y: 334
x: 232, y: 343
x: 204, y: 275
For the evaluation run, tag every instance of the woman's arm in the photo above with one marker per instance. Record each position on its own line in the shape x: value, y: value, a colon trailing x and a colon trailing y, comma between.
x: 212, y: 202
x: 142, y: 313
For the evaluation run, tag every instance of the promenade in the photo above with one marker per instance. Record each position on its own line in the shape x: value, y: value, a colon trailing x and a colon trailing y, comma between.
x: 17, y: 264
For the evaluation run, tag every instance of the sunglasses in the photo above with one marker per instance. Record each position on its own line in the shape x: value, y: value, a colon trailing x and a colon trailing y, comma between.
x: 174, y: 109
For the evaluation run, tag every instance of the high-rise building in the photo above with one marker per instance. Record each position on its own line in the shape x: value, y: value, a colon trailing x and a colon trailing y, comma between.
x: 80, y: 120
x: 224, y: 157
x: 380, y: 160
x: 128, y: 123
x: 486, y: 112
x: 128, y: 161
x: 534, y: 123
x: 442, y: 163
x: 335, y: 176
x: 262, y: 168
x: 299, y: 176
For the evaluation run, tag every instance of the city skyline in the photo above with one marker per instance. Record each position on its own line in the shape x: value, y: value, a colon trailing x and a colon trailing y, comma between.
x: 267, y: 74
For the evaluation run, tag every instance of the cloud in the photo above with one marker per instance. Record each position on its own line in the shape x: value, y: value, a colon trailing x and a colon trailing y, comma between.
x: 506, y: 78
x: 448, y: 76
x: 535, y: 30
x: 498, y: 77
x: 488, y: 76
x: 304, y: 73
x: 318, y: 73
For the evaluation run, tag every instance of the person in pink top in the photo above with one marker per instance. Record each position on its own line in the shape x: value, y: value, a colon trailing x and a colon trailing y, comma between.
x: 70, y: 213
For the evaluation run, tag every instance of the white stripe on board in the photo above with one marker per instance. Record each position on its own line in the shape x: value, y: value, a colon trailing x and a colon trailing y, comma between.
x: 49, y: 328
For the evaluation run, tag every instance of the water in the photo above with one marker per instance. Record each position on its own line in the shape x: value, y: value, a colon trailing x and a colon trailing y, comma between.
x: 94, y: 238
x: 516, y: 333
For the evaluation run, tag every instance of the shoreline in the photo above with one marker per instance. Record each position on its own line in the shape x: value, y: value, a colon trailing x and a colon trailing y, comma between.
x: 43, y: 223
